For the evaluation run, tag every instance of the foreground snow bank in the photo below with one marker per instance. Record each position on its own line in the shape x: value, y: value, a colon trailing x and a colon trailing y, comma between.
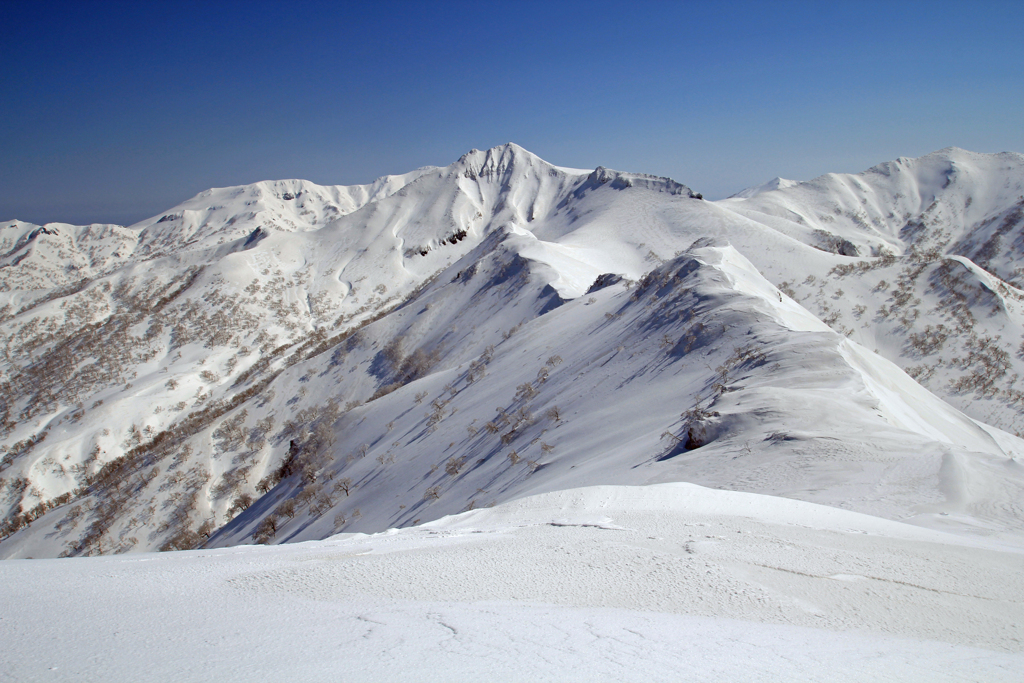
x: 671, y: 581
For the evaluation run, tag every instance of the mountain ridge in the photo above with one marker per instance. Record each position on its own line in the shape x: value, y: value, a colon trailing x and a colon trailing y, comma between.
x: 153, y: 399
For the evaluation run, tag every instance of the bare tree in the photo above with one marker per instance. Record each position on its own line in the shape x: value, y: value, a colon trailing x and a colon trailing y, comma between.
x: 287, y: 508
x: 454, y: 465
x: 266, y: 529
x: 241, y: 502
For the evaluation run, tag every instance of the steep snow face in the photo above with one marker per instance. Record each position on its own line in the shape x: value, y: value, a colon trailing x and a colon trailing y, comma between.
x: 466, y: 335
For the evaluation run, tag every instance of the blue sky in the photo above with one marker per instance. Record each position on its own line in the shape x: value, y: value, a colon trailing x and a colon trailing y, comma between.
x: 114, y: 112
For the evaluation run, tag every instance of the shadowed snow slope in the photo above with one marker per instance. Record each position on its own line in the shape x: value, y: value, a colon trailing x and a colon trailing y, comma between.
x: 666, y: 582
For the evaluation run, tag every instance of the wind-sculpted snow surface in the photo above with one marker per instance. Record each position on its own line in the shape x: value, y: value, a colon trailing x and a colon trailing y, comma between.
x: 666, y: 582
x: 284, y: 361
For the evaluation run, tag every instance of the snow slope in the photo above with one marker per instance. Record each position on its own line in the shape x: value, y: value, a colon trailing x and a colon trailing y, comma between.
x: 665, y: 582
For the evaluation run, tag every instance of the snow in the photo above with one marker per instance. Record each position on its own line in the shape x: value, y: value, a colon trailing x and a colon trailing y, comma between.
x: 672, y: 581
x: 836, y: 361
x: 773, y: 184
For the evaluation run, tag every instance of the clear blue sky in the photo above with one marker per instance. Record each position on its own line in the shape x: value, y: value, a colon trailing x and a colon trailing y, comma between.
x: 116, y: 111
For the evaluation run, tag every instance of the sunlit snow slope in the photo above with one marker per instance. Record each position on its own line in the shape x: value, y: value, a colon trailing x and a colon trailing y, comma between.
x: 284, y: 361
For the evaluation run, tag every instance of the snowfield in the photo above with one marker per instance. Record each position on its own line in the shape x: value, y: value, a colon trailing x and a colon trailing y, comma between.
x: 664, y: 582
x: 508, y: 420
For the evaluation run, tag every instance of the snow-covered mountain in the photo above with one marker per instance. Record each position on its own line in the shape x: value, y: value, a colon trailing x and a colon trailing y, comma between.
x: 285, y: 361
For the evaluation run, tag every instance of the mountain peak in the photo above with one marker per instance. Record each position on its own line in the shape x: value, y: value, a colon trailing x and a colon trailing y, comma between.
x: 499, y: 160
x: 776, y: 183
